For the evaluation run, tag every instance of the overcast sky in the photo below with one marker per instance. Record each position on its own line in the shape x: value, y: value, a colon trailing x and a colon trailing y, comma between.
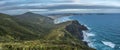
x: 43, y: 6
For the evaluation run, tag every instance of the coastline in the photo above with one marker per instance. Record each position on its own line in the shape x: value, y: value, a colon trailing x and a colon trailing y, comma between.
x: 83, y: 32
x: 86, y: 35
x: 90, y: 37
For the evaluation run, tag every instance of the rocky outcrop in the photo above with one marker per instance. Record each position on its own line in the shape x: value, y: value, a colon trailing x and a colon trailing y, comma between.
x: 75, y: 28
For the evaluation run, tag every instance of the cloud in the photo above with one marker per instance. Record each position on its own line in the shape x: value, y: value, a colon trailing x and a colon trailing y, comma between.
x: 4, y: 3
x: 76, y: 1
x: 15, y: 6
x: 49, y: 11
x: 56, y: 6
x: 80, y: 11
x: 95, y: 2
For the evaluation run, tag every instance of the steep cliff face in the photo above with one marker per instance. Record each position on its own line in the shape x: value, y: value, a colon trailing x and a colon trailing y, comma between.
x: 75, y: 28
x: 71, y: 28
x: 69, y: 32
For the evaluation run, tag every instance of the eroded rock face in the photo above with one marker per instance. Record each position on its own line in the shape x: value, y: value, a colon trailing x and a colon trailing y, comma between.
x: 75, y: 28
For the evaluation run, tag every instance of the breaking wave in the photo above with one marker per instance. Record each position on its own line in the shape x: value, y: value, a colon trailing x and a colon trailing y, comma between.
x: 110, y: 44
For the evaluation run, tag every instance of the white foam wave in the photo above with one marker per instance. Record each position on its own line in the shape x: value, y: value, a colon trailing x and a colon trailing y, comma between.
x: 88, y: 27
x: 88, y: 34
x: 110, y: 44
x: 86, y: 38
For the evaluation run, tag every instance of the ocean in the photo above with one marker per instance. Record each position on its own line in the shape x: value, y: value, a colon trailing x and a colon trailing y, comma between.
x: 104, y: 30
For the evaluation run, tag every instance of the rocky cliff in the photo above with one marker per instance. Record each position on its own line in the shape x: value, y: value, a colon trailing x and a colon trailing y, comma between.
x: 75, y: 28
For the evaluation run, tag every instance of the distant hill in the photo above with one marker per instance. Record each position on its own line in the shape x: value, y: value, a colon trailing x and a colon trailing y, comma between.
x: 35, y: 19
x: 33, y: 31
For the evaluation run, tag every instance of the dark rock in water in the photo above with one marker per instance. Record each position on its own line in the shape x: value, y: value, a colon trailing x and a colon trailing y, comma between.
x: 83, y: 27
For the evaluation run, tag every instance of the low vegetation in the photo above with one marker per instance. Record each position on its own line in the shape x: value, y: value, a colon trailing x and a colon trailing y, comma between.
x: 31, y: 31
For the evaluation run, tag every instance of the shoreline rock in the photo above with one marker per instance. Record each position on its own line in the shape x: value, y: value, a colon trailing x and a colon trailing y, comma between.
x: 75, y: 28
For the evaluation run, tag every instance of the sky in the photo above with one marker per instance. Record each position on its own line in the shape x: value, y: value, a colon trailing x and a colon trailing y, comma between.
x: 53, y: 6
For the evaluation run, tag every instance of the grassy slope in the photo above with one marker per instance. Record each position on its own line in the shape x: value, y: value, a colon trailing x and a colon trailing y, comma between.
x: 11, y: 30
x: 26, y: 33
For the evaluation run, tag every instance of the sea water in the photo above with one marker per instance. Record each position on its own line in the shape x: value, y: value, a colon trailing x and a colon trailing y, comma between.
x: 104, y: 30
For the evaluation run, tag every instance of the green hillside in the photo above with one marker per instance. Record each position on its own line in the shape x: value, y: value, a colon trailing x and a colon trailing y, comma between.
x: 31, y: 31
